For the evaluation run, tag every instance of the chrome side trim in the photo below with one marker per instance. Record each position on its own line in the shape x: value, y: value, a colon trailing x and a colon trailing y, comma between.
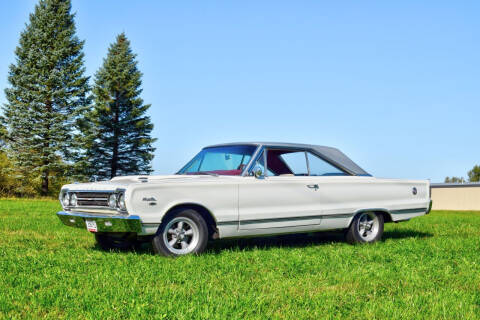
x: 325, y: 216
x: 299, y: 218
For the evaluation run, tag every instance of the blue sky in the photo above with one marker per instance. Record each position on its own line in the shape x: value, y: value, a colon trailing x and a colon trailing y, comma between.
x: 395, y: 85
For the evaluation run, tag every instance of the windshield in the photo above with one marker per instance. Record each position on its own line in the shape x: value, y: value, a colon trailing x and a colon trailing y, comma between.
x: 228, y: 160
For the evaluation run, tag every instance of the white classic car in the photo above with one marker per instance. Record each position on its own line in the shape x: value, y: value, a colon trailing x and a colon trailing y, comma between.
x: 239, y: 190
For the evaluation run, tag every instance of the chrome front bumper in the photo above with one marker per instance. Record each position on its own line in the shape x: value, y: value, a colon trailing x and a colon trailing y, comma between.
x: 104, y: 223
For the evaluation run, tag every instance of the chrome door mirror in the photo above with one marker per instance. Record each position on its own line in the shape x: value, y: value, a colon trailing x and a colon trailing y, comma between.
x: 258, y: 172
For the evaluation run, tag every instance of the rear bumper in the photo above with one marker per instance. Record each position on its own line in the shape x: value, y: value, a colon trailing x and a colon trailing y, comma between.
x: 104, y: 223
x: 429, y: 207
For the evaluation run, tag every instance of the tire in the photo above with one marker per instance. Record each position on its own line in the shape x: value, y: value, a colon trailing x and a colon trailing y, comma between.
x: 116, y: 241
x: 366, y: 227
x: 183, y: 232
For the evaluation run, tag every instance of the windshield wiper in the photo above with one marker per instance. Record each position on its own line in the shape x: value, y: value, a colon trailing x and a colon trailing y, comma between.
x: 208, y: 173
x: 199, y: 173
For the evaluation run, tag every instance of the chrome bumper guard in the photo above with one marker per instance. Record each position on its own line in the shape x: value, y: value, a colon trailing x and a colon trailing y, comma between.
x: 105, y: 223
x: 429, y: 207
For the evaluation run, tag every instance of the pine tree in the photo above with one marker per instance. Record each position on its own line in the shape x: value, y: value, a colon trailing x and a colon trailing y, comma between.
x: 47, y: 91
x: 3, y: 134
x: 117, y: 131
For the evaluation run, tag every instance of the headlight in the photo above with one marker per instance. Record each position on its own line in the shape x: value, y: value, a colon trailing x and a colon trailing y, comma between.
x: 73, y: 200
x: 66, y: 199
x: 112, y: 201
x: 121, y: 202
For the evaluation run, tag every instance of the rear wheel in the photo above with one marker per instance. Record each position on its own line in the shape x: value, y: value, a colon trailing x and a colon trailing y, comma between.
x: 366, y: 227
x: 118, y: 241
x: 183, y: 232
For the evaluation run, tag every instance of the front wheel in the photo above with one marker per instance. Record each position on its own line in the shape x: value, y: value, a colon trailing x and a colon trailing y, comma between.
x: 366, y: 227
x: 181, y: 233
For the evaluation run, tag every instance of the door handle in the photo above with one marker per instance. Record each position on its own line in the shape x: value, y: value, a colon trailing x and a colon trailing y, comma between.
x: 313, y: 186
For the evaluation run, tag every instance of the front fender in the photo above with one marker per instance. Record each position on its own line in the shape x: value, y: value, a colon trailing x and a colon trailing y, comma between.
x: 152, y: 202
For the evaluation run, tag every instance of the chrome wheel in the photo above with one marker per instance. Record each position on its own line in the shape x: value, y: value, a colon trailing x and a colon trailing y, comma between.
x: 368, y: 226
x: 181, y: 235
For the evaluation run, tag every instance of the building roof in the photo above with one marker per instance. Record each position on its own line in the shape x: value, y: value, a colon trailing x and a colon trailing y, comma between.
x: 455, y: 185
x: 330, y: 154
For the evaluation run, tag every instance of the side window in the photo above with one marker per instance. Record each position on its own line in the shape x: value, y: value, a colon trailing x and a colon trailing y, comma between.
x: 296, y: 162
x: 319, y: 167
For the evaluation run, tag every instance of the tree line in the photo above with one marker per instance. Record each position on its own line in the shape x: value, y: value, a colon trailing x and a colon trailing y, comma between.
x: 56, y: 127
x: 473, y: 176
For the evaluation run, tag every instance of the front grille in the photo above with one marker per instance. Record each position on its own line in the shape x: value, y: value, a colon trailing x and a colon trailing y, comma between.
x: 92, y: 199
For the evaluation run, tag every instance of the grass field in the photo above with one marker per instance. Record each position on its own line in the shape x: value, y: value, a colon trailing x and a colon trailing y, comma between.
x: 425, y: 268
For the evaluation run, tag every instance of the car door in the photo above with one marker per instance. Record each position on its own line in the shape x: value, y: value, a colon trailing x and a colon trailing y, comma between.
x: 284, y: 197
x: 335, y: 189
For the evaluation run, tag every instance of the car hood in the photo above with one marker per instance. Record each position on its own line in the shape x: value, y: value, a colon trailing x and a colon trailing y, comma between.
x: 125, y: 181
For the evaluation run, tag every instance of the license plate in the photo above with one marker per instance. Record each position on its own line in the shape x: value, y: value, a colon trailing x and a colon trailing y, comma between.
x: 91, y: 225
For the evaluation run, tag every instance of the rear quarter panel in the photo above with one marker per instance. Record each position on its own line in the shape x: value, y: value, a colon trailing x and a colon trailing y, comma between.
x: 353, y: 194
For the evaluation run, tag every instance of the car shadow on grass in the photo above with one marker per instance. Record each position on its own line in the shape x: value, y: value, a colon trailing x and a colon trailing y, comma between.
x: 407, y: 233
x: 300, y: 240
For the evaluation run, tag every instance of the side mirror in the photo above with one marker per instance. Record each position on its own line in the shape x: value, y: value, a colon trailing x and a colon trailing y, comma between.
x: 258, y: 172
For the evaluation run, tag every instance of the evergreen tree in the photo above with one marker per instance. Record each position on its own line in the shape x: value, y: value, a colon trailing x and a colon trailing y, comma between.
x: 474, y: 174
x: 117, y: 130
x: 3, y: 134
x: 47, y: 91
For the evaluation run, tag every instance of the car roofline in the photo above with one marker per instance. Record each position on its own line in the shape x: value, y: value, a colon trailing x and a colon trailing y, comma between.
x: 330, y: 154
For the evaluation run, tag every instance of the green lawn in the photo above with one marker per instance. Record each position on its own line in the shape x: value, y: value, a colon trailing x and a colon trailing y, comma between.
x: 425, y: 268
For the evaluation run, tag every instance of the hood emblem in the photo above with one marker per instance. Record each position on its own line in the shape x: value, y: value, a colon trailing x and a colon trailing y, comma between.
x: 149, y: 199
x: 414, y: 191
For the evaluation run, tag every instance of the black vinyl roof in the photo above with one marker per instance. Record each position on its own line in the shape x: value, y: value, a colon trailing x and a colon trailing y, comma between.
x: 330, y: 154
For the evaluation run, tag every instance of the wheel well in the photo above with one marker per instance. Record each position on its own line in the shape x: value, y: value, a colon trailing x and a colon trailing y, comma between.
x: 204, y: 212
x: 386, y: 216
